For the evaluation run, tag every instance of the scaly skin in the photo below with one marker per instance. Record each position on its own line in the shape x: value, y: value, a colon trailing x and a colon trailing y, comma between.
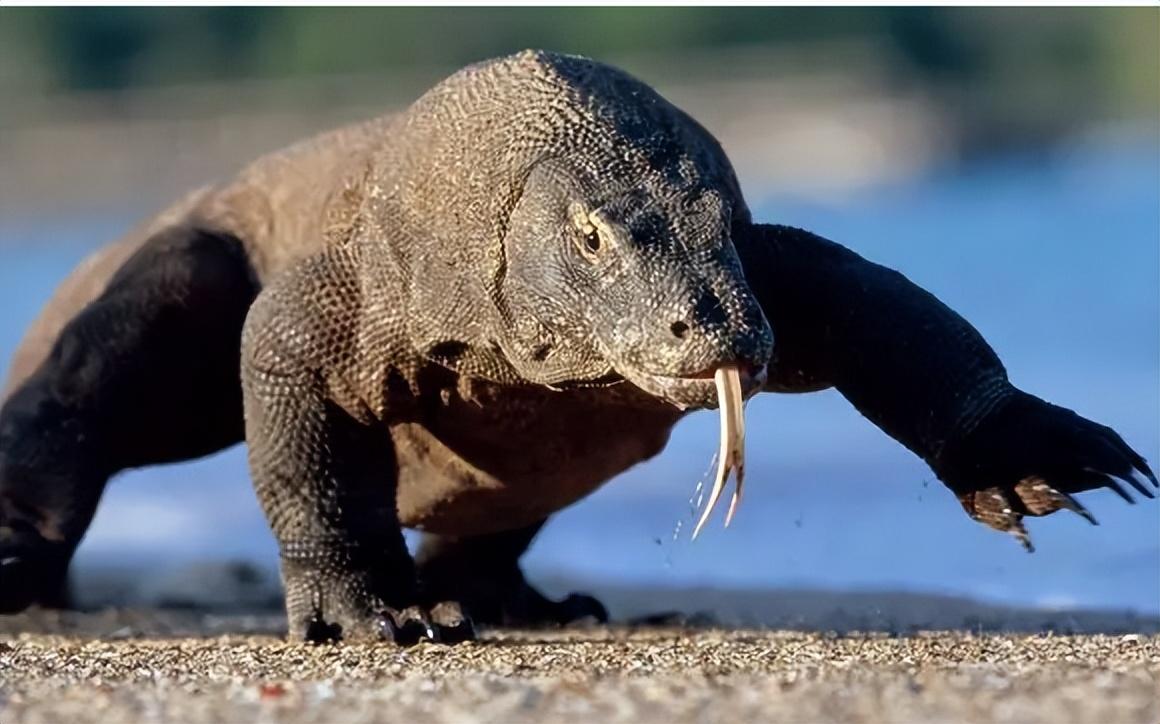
x: 466, y: 317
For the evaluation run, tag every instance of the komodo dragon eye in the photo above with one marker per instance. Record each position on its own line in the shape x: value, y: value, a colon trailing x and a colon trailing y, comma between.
x: 592, y: 241
x: 590, y: 237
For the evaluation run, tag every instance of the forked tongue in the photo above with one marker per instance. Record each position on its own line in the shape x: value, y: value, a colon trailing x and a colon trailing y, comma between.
x: 731, y: 457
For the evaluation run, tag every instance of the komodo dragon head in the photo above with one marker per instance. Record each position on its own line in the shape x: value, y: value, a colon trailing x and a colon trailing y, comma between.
x: 619, y: 258
x: 627, y: 269
x: 580, y: 225
x: 589, y: 223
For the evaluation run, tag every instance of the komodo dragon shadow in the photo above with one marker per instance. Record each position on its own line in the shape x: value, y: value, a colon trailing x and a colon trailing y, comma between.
x: 466, y: 317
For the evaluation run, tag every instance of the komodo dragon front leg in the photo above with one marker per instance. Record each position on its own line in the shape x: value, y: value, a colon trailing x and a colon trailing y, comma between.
x: 325, y: 477
x: 927, y: 378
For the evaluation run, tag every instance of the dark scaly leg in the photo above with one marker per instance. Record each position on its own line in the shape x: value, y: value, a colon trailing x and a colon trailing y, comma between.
x: 483, y: 574
x: 928, y: 379
x: 147, y: 373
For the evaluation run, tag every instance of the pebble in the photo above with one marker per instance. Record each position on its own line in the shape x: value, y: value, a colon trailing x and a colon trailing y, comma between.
x: 606, y: 674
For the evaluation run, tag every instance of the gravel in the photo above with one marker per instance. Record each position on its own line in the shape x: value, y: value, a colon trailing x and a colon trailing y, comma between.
x: 130, y: 666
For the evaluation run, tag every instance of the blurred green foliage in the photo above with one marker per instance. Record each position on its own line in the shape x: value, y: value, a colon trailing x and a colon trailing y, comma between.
x: 1022, y: 70
x: 98, y: 48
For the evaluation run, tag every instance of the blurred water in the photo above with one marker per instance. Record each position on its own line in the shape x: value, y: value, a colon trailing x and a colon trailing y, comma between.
x: 1056, y: 259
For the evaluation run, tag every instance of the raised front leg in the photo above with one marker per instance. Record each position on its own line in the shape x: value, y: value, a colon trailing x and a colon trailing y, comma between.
x: 326, y: 480
x: 926, y: 377
x: 483, y: 573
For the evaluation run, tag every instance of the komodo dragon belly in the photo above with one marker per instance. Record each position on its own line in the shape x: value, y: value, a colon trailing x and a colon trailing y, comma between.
x: 505, y: 458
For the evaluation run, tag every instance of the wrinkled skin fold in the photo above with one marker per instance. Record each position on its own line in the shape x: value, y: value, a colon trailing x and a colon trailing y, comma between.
x: 468, y: 316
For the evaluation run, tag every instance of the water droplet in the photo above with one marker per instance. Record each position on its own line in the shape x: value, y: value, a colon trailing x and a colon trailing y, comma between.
x: 698, y: 496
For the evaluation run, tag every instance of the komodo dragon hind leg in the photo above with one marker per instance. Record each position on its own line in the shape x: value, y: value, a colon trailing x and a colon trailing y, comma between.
x: 146, y: 373
x: 483, y: 574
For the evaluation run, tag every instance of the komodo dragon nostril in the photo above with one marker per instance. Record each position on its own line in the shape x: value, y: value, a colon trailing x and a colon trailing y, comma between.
x: 679, y: 329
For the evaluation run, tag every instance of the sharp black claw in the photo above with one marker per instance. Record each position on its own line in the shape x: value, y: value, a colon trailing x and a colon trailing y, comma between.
x: 1076, y: 507
x: 1023, y: 537
x: 1141, y: 466
x: 452, y: 625
x: 1143, y: 471
x: 1119, y: 490
x: 456, y: 633
x: 412, y: 625
x: 410, y: 632
x: 1110, y: 483
x: 319, y: 631
x: 1138, y: 462
x: 1130, y: 479
x: 388, y: 631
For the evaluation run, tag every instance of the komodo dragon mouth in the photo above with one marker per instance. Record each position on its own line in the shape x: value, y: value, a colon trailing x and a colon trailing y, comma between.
x: 733, y: 383
x: 731, y: 453
x: 731, y: 450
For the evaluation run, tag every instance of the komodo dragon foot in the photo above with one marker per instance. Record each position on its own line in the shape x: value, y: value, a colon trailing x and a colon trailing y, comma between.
x: 444, y: 623
x: 329, y: 603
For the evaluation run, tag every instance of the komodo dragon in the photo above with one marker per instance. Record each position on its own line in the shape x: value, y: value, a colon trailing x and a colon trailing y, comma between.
x: 465, y: 317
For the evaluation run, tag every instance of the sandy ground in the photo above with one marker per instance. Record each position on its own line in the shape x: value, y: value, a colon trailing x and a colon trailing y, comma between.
x: 124, y: 666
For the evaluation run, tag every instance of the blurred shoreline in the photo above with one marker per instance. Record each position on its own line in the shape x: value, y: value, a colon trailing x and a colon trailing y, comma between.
x: 239, y: 587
